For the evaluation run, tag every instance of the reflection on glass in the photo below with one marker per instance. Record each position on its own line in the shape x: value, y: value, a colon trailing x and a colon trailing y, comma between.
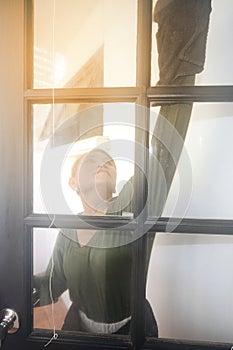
x: 64, y: 133
x: 190, y: 38
x: 93, y: 265
x: 84, y: 43
x: 202, y: 184
x: 90, y: 285
x: 190, y: 286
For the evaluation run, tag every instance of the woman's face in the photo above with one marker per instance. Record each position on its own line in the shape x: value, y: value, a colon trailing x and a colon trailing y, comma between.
x: 97, y: 172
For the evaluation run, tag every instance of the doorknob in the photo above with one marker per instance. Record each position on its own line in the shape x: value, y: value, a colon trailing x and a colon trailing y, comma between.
x: 9, y: 323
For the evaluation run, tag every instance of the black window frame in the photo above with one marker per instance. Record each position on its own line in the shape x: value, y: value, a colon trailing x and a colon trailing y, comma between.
x: 142, y: 94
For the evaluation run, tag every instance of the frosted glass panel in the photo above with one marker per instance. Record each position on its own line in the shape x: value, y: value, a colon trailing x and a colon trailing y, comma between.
x: 65, y: 132
x: 202, y: 186
x: 84, y: 43
x: 190, y: 286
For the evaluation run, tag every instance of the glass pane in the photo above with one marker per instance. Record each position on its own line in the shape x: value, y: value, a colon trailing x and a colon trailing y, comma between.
x: 70, y: 179
x: 84, y: 43
x: 89, y: 285
x: 190, y: 286
x: 190, y: 39
x: 199, y: 185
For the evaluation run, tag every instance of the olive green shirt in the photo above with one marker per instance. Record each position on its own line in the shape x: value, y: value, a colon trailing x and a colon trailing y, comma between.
x: 97, y: 275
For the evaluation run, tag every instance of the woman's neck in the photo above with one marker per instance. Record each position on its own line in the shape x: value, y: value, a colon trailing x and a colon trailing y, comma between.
x: 95, y: 206
x: 94, y: 210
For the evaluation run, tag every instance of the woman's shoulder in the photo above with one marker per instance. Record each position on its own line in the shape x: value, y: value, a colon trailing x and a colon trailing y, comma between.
x: 122, y: 204
x: 66, y: 234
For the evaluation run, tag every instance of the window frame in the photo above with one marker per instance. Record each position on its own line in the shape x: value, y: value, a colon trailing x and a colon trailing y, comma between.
x: 142, y: 94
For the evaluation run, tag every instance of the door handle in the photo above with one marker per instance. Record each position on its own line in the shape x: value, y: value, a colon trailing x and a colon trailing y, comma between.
x: 9, y: 323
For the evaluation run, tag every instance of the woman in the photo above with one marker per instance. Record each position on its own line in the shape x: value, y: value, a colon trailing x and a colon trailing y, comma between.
x: 95, y: 266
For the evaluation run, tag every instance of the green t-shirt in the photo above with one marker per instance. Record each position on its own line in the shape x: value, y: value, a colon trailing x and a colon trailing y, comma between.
x: 97, y: 275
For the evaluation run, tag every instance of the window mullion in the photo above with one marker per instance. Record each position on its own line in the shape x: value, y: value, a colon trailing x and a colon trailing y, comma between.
x: 141, y: 166
x: 106, y: 94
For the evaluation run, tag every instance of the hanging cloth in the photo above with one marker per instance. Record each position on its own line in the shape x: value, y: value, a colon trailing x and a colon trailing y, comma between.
x: 181, y: 38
